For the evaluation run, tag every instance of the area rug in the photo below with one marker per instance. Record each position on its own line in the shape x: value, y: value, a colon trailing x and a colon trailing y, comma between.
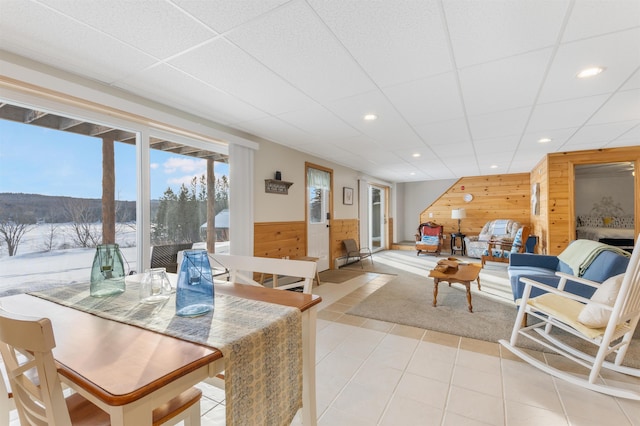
x: 338, y: 276
x: 407, y: 299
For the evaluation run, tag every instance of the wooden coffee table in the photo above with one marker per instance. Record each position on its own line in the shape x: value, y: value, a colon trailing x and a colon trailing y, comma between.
x: 463, y: 274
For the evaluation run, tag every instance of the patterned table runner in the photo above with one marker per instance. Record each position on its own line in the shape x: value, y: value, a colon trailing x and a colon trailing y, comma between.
x: 261, y: 344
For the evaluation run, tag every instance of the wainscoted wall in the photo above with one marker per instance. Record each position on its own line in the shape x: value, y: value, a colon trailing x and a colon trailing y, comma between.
x: 342, y: 229
x: 494, y: 197
x: 279, y: 239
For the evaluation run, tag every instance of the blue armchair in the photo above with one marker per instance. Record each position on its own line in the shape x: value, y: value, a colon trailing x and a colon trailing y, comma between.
x: 542, y: 268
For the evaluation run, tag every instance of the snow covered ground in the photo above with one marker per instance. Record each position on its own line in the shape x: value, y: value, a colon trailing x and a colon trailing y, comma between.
x: 34, y: 268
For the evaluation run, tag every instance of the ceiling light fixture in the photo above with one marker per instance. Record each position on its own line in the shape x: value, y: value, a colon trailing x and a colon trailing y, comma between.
x: 544, y: 140
x: 493, y: 166
x: 590, y: 72
x: 416, y: 155
x: 370, y: 117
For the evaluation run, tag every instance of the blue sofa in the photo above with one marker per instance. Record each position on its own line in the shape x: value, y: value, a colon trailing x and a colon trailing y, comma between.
x: 542, y: 268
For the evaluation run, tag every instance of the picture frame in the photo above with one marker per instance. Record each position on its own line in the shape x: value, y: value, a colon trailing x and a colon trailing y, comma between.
x: 347, y: 195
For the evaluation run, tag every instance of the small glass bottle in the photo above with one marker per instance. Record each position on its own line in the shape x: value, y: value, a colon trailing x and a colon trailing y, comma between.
x: 107, y: 272
x: 155, y: 286
x: 194, y: 292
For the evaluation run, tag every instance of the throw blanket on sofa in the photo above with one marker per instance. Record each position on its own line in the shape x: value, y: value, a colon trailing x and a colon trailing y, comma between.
x: 581, y: 253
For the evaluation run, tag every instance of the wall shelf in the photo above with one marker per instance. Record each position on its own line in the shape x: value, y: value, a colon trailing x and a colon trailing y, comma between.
x: 273, y: 186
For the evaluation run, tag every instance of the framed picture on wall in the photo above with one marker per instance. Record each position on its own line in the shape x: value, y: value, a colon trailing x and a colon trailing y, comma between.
x: 347, y: 195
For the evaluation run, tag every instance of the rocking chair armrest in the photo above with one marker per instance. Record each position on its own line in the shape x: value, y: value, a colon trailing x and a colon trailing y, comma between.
x: 551, y: 289
x: 579, y: 280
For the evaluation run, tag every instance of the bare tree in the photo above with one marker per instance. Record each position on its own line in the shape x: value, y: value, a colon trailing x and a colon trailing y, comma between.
x: 13, y: 228
x: 50, y: 236
x: 85, y: 231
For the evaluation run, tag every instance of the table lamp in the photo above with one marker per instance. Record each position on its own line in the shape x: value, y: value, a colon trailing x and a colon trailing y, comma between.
x: 458, y: 214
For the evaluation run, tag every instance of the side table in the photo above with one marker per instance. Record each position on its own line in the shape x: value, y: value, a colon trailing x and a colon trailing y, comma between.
x: 455, y: 247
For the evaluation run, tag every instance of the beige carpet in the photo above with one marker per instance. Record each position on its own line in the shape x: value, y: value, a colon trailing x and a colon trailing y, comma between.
x: 407, y: 299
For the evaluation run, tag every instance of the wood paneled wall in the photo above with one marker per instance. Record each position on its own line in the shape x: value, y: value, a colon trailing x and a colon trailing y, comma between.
x: 560, y: 221
x: 342, y: 229
x: 494, y: 197
x: 279, y: 239
x: 539, y: 222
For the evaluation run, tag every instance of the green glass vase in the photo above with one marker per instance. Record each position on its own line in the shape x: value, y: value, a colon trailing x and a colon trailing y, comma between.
x: 107, y: 272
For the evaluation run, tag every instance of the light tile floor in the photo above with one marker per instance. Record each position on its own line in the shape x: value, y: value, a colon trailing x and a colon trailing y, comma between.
x: 372, y: 372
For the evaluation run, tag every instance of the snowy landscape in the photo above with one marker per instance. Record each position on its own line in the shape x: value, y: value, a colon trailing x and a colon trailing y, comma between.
x: 33, y: 267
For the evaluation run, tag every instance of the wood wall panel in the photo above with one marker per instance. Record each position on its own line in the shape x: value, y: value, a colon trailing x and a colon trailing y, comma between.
x: 560, y: 170
x: 342, y: 229
x: 494, y: 197
x: 279, y: 239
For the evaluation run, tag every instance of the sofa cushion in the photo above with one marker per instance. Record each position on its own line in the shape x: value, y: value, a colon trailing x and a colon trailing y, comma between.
x: 595, y: 316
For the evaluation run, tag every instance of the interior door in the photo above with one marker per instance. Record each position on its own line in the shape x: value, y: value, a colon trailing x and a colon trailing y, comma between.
x: 318, y: 215
x: 377, y: 218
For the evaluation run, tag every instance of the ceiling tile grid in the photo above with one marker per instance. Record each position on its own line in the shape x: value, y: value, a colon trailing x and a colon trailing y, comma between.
x: 468, y: 84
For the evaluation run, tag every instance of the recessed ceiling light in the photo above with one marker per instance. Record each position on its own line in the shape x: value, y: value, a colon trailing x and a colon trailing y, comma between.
x: 544, y: 140
x: 590, y: 72
x: 370, y: 117
x: 493, y: 166
x: 412, y: 173
x: 416, y: 155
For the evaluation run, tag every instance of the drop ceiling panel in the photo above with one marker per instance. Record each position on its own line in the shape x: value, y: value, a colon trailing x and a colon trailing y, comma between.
x: 496, y: 145
x: 557, y: 136
x: 394, y: 42
x: 444, y: 132
x: 223, y: 15
x: 229, y: 69
x: 618, y: 53
x: 504, y: 84
x: 320, y: 122
x: 294, y: 43
x: 498, y: 124
x: 185, y: 92
x: 558, y: 115
x: 276, y: 130
x: 601, y: 133
x: 621, y: 107
x: 427, y: 100
x: 162, y: 30
x: 483, y: 31
x: 59, y: 41
x: 591, y: 18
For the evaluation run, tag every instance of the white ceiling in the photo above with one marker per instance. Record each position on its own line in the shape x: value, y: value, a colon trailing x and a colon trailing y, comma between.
x: 467, y: 84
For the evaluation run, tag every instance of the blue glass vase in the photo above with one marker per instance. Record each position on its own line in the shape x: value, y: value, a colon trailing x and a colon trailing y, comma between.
x: 107, y: 272
x: 194, y: 292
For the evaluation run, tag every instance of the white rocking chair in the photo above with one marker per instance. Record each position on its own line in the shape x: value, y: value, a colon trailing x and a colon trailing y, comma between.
x: 561, y: 309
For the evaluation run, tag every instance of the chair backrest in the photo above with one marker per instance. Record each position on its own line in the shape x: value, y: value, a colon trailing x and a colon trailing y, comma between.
x: 350, y: 245
x: 167, y: 256
x: 627, y: 304
x: 430, y: 228
x: 25, y: 345
x: 241, y: 268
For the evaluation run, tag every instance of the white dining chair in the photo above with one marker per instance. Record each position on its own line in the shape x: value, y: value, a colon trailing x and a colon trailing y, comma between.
x: 242, y: 268
x: 26, y: 345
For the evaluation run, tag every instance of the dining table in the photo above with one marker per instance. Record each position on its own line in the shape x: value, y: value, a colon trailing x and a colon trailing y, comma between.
x: 128, y: 368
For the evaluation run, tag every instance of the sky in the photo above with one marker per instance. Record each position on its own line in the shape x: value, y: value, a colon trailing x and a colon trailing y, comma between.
x: 37, y: 160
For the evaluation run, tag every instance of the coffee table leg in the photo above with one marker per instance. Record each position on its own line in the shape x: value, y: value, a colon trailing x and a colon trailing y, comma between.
x: 478, y: 279
x: 435, y: 290
x: 468, y: 285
